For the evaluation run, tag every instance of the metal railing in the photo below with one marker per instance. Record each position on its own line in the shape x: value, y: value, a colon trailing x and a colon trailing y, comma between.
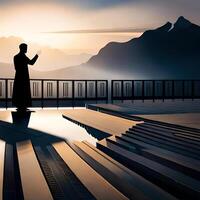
x: 51, y: 89
x: 86, y: 90
x: 155, y: 89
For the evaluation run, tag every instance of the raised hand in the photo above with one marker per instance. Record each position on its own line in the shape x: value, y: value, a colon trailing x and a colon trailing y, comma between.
x: 39, y: 52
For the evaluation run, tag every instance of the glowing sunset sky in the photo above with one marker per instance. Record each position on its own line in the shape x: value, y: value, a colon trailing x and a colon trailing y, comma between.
x: 87, y: 25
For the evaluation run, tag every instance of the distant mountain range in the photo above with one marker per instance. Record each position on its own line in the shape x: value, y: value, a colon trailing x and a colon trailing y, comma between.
x: 50, y: 59
x: 171, y: 51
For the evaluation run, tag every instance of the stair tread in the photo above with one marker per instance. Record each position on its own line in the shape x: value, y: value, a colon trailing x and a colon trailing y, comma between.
x: 167, y: 143
x: 95, y: 183
x: 2, y: 158
x: 137, y: 186
x: 175, y: 157
x: 174, y: 139
x: 172, y: 135
x: 164, y: 146
x: 172, y: 128
x: 163, y: 170
x: 32, y: 178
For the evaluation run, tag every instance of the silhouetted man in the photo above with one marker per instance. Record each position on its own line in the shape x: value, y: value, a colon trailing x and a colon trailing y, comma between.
x: 21, y: 89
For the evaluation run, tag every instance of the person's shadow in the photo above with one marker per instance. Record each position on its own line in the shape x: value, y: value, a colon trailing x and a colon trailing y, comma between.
x: 18, y: 131
x: 12, y: 133
x: 21, y: 119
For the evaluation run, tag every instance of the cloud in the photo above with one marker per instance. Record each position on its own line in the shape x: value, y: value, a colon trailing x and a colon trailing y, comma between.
x: 98, y: 3
x: 111, y: 30
x: 89, y: 4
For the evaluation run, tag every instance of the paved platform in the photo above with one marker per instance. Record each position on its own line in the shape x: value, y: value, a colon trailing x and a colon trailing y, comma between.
x: 37, y: 161
x: 106, y: 123
x: 187, y: 119
x: 147, y: 107
x: 140, y: 161
x: 184, y: 113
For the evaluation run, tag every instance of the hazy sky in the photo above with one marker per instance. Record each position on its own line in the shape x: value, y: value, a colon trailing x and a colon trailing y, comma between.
x: 87, y: 25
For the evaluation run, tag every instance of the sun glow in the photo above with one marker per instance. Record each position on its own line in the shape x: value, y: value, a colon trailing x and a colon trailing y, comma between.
x: 29, y: 21
x: 33, y: 21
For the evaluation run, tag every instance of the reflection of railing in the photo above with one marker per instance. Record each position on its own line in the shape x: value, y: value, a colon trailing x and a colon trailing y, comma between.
x: 59, y: 89
x: 155, y: 89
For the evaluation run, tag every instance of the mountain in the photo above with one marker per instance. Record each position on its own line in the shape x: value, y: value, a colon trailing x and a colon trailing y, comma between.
x: 7, y: 71
x: 53, y: 59
x: 170, y: 51
x: 50, y: 59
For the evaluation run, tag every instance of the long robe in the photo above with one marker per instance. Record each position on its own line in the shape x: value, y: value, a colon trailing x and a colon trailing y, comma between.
x: 21, y: 89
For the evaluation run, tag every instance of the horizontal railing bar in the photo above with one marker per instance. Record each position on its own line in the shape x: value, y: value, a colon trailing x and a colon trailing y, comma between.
x: 57, y: 79
x: 38, y: 79
x: 156, y: 80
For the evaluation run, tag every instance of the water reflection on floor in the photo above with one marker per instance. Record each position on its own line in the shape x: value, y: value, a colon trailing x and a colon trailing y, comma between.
x: 51, y: 121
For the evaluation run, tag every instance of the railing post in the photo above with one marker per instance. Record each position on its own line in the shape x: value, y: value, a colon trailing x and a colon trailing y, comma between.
x: 112, y: 90
x: 163, y: 90
x: 73, y: 91
x: 86, y: 96
x: 122, y: 90
x: 192, y: 90
x: 183, y: 90
x: 143, y: 90
x: 107, y: 98
x: 153, y: 91
x: 96, y: 88
x: 42, y: 91
x: 173, y: 85
x: 6, y: 92
x: 57, y: 97
x: 133, y: 90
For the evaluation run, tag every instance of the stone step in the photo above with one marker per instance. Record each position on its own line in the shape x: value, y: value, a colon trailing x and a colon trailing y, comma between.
x: 162, y: 145
x: 182, y: 163
x: 129, y: 183
x: 191, y: 139
x: 172, y: 127
x: 2, y: 158
x: 166, y: 141
x: 60, y: 179
x: 173, y: 135
x: 94, y: 182
x: 32, y: 178
x: 170, y: 180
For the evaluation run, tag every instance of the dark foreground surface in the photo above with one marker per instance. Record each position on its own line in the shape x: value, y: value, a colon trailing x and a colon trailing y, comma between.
x: 44, y: 156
